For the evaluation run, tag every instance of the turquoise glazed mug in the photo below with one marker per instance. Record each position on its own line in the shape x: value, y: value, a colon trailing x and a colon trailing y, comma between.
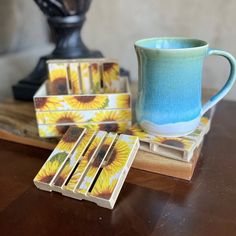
x: 170, y: 84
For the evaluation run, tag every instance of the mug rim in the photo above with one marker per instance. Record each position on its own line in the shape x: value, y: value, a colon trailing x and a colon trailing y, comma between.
x: 138, y: 43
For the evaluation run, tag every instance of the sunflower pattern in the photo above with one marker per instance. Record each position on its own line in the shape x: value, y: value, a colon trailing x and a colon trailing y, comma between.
x: 110, y: 73
x: 46, y: 174
x: 111, y: 112
x: 186, y: 143
x: 112, y: 116
x: 58, y: 79
x: 82, y: 102
x: 123, y: 101
x: 96, y: 77
x: 47, y: 103
x: 118, y: 157
x: 104, y: 186
x: 58, y: 130
x: 50, y: 131
x: 85, y: 160
x: 75, y: 117
x: 112, y: 120
x: 180, y: 143
x: 96, y: 164
x: 113, y: 167
x: 74, y: 78
x: 70, y: 138
x: 87, y: 102
x: 85, y: 80
x: 137, y: 131
x: 57, y: 118
x: 116, y: 127
x: 50, y: 168
x: 62, y: 176
x: 72, y: 161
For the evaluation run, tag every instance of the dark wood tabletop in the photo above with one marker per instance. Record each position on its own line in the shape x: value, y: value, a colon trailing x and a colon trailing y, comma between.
x: 149, y: 204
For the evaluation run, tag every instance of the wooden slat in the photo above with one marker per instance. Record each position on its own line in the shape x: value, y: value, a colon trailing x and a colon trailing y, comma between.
x: 74, y: 78
x: 85, y: 77
x: 59, y: 79
x: 71, y: 162
x: 96, y: 165
x: 85, y: 161
x: 58, y: 157
x: 95, y: 74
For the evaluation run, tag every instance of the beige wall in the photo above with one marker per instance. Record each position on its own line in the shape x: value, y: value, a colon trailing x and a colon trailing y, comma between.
x: 22, y: 26
x: 113, y: 27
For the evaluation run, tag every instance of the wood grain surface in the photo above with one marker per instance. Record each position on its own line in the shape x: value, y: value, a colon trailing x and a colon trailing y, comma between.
x: 149, y: 204
x: 18, y: 124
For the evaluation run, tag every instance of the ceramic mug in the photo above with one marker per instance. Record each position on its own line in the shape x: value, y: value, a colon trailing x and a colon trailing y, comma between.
x: 170, y: 84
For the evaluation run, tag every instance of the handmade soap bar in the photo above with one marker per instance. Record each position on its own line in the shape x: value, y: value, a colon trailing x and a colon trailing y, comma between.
x: 89, y: 165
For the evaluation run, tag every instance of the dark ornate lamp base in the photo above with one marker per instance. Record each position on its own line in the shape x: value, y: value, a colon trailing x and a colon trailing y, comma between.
x: 69, y: 45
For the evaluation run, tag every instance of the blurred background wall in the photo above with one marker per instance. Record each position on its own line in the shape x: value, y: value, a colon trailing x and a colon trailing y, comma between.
x: 113, y: 27
x: 23, y: 38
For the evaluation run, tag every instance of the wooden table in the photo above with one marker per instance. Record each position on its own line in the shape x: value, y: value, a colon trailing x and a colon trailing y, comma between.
x: 149, y: 204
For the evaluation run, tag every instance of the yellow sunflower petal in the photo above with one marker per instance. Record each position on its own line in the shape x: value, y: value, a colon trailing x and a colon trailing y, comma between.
x: 96, y: 77
x: 47, y: 103
x: 175, y: 142
x: 56, y: 73
x: 48, y: 171
x: 58, y: 79
x: 63, y: 117
x: 87, y: 102
x: 110, y: 72
x: 137, y: 131
x: 123, y: 101
x: 60, y: 179
x: 74, y: 78
x: 112, y: 121
x: 114, y: 116
x: 116, y: 127
x: 70, y: 138
x: 83, y: 163
x: 118, y: 157
x: 104, y: 187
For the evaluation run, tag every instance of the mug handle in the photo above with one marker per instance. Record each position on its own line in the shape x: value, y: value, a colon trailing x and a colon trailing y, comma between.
x: 229, y: 83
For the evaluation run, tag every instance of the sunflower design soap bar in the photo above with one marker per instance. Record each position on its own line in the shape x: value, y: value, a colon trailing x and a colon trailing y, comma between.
x: 89, y: 165
x: 87, y: 93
